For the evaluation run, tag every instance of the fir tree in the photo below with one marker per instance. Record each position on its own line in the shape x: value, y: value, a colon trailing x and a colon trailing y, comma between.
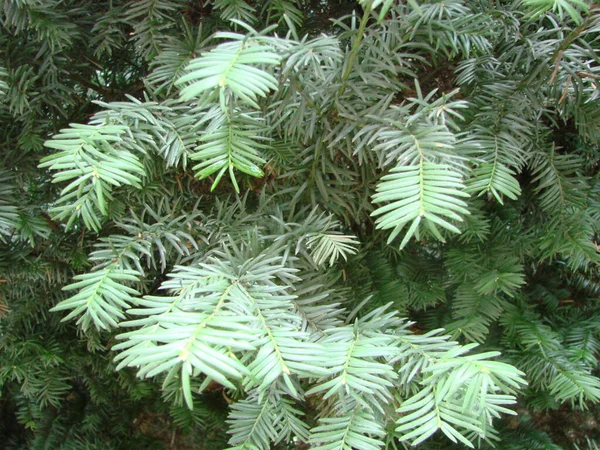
x: 236, y: 224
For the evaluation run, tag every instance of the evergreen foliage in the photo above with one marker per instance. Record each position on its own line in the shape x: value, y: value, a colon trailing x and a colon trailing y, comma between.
x: 235, y: 224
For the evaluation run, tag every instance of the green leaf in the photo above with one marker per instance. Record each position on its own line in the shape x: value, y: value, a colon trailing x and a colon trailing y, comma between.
x: 231, y: 141
x: 330, y: 247
x: 356, y: 429
x: 90, y: 158
x: 427, y: 192
x: 496, y: 179
x: 572, y: 7
x: 3, y: 84
x: 102, y: 297
x: 232, y: 66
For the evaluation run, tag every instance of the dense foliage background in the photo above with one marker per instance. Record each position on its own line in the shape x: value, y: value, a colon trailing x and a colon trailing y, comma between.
x: 299, y: 224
